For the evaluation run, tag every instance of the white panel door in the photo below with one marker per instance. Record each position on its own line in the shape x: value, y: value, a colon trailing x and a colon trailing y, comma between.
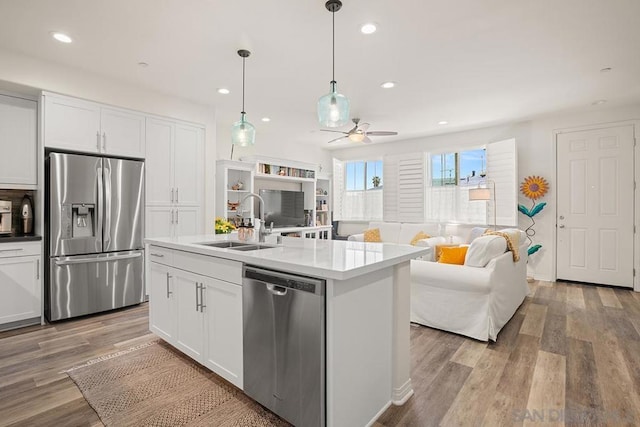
x: 223, y: 330
x: 159, y: 165
x: 595, y: 206
x: 20, y: 288
x: 162, y: 304
x: 122, y: 133
x: 188, y: 221
x: 188, y: 161
x: 72, y: 124
x: 159, y: 221
x: 190, y: 324
x: 18, y: 141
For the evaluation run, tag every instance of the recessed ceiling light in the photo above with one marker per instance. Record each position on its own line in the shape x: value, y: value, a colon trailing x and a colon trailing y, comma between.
x: 143, y: 64
x: 368, y: 28
x: 223, y: 91
x: 266, y: 119
x: 606, y: 70
x: 599, y: 102
x: 443, y: 122
x: 61, y: 37
x: 388, y: 85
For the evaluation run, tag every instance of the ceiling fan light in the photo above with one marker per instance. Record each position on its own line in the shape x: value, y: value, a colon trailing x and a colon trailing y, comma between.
x: 357, y: 136
x: 243, y: 133
x: 333, y: 109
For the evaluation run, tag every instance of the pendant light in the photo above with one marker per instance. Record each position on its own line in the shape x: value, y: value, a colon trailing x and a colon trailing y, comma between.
x: 333, y: 108
x: 243, y: 133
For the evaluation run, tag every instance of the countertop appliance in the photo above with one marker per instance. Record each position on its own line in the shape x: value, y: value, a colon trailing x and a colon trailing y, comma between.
x: 94, y: 234
x: 5, y: 217
x: 284, y: 344
x: 26, y: 213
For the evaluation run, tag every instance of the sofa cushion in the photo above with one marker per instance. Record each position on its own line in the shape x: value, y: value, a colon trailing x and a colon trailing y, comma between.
x: 389, y: 231
x: 419, y: 236
x: 476, y: 232
x: 372, y: 235
x: 452, y: 254
x: 409, y: 230
x: 483, y: 249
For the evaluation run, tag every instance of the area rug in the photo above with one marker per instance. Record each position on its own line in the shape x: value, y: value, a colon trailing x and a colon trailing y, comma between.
x: 155, y: 385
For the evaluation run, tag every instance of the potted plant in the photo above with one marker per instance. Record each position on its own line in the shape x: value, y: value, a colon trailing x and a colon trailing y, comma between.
x: 376, y: 181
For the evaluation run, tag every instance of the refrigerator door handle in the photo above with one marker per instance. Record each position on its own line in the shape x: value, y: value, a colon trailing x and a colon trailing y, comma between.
x: 107, y: 208
x: 97, y: 259
x: 100, y: 209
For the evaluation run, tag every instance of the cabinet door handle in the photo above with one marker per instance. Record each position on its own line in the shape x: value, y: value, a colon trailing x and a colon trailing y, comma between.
x: 202, y: 305
x: 98, y: 140
x: 104, y: 141
x: 171, y: 216
x: 177, y: 195
x: 172, y: 195
x: 177, y: 217
x: 168, y: 291
x: 197, y: 292
x: 37, y: 269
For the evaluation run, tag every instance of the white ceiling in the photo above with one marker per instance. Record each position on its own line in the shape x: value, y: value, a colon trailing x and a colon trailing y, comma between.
x: 471, y: 62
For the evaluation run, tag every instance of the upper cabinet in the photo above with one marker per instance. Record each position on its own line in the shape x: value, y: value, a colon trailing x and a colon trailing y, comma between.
x: 18, y: 136
x: 78, y: 125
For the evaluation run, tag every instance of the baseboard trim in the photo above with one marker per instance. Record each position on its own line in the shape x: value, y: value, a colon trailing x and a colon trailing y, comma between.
x: 378, y: 415
x: 401, y: 394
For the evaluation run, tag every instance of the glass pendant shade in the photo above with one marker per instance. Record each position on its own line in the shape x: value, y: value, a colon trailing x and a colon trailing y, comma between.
x: 243, y: 133
x: 333, y: 109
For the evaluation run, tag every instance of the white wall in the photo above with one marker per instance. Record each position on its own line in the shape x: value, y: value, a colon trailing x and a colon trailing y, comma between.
x: 18, y: 69
x: 536, y: 156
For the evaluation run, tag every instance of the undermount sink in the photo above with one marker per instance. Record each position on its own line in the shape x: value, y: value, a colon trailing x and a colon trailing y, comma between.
x: 237, y: 246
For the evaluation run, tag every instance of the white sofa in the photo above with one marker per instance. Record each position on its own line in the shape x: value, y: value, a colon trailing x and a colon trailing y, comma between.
x: 472, y: 301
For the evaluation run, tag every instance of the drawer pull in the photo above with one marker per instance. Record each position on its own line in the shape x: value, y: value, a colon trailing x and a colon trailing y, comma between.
x: 157, y: 255
x: 12, y: 250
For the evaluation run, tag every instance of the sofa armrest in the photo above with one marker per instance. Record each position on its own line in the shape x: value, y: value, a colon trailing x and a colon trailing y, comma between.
x: 450, y: 276
x: 356, y: 237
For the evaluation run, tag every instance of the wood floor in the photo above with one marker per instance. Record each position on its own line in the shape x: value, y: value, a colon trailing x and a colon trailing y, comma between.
x: 569, y: 356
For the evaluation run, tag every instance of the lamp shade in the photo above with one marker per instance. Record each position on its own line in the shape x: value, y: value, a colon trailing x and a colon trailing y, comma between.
x: 243, y: 133
x: 333, y: 109
x: 479, y: 194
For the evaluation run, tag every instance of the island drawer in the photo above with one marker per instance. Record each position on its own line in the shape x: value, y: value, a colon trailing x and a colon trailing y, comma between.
x: 217, y: 268
x: 160, y: 255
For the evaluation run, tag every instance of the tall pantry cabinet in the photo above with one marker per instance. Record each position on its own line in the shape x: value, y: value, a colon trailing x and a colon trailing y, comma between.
x: 175, y: 178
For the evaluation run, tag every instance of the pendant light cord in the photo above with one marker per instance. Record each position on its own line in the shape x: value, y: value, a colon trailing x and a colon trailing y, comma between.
x: 333, y: 46
x: 243, y: 62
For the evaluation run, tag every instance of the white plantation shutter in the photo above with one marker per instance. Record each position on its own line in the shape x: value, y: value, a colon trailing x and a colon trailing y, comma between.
x: 502, y: 161
x: 338, y: 189
x: 404, y: 187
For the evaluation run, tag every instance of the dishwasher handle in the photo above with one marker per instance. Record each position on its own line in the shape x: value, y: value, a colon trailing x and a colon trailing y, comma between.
x: 276, y: 290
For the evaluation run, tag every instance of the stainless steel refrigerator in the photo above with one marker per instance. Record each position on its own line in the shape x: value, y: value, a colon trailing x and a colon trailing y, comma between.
x: 95, y: 229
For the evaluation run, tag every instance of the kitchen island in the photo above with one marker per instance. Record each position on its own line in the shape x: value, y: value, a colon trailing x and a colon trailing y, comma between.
x: 195, y: 293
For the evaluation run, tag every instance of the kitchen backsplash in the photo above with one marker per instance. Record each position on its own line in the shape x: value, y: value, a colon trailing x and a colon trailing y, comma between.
x: 15, y: 196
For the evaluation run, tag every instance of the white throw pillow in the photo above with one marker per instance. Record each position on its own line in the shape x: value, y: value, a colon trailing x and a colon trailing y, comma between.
x: 431, y: 242
x: 483, y: 249
x: 476, y: 232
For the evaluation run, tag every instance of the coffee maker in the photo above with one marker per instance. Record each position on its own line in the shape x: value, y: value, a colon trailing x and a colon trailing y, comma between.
x: 26, y: 213
x: 5, y: 217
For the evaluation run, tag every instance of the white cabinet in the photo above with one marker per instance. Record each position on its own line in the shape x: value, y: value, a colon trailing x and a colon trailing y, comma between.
x: 20, y: 294
x: 78, y: 125
x: 161, y: 301
x: 198, y: 314
x: 18, y: 142
x: 230, y: 176
x: 175, y: 178
x: 223, y: 329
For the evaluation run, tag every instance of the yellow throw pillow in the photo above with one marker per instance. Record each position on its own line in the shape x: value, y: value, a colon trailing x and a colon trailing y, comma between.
x: 372, y: 235
x: 453, y: 255
x: 421, y: 235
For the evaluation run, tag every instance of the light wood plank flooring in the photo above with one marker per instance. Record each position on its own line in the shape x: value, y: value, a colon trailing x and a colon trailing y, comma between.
x: 569, y: 356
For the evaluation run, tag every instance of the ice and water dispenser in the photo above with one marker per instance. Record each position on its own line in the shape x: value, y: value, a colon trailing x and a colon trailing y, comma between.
x: 79, y: 220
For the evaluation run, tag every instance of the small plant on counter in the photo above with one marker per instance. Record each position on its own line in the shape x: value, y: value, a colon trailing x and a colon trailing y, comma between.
x: 223, y: 226
x: 376, y: 181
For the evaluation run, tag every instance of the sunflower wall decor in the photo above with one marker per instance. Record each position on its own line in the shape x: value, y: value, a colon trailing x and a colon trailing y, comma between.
x: 533, y: 188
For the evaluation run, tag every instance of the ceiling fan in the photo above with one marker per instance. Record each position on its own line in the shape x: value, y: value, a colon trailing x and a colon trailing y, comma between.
x: 359, y: 133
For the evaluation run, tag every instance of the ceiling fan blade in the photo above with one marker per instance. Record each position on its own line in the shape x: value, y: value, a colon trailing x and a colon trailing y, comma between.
x: 337, y: 139
x: 362, y: 127
x: 336, y: 131
x: 367, y: 140
x: 382, y: 133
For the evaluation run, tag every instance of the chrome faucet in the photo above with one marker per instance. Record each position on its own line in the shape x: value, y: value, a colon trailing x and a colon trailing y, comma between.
x: 263, y: 230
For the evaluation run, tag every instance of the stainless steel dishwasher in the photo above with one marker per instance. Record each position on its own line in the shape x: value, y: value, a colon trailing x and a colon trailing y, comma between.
x: 284, y: 344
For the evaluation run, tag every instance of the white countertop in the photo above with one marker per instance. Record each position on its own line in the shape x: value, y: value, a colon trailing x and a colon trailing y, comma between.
x: 329, y: 259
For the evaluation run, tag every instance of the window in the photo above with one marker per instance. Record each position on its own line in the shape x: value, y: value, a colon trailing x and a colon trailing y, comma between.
x: 463, y: 168
x: 358, y: 190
